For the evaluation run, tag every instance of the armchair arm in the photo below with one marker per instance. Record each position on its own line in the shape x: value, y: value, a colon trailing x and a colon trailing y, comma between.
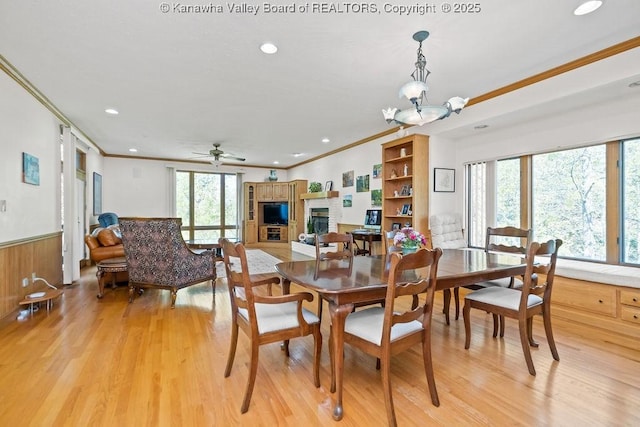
x: 298, y: 296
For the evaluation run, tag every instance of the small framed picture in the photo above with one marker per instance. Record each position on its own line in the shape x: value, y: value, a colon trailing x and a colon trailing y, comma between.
x: 396, y: 226
x: 444, y: 180
x: 328, y: 185
x: 406, y: 209
x: 405, y: 190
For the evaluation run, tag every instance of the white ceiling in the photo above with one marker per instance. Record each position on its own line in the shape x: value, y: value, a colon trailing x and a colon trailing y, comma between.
x: 183, y: 81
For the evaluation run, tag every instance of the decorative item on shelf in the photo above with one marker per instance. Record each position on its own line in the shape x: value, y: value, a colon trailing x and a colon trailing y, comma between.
x: 394, y: 173
x: 315, y: 187
x: 272, y: 175
x: 416, y: 92
x: 310, y: 237
x: 409, y: 240
x: 403, y: 152
x: 406, y: 169
x: 395, y: 193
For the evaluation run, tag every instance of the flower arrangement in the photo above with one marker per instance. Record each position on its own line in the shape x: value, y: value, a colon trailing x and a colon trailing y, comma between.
x: 408, y: 238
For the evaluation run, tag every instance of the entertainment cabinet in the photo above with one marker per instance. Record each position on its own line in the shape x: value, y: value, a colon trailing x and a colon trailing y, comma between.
x: 273, y: 233
x: 258, y: 194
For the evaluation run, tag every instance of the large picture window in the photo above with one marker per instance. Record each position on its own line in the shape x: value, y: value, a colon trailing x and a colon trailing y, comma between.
x: 208, y: 205
x: 630, y: 245
x: 569, y: 200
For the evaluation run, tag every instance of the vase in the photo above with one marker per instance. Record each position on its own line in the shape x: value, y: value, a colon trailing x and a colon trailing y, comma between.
x: 272, y: 175
x: 409, y: 250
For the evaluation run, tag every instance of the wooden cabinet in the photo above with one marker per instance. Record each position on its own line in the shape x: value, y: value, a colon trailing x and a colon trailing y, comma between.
x: 273, y: 233
x: 630, y: 305
x: 615, y: 309
x: 272, y: 191
x: 591, y: 297
x: 255, y: 196
x: 405, y: 188
x: 296, y: 208
x: 250, y: 213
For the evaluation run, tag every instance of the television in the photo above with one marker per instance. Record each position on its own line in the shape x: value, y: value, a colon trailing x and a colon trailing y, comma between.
x: 275, y: 213
x: 373, y: 219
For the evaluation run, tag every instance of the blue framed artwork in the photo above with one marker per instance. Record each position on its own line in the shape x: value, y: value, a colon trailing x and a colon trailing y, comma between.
x: 30, y: 169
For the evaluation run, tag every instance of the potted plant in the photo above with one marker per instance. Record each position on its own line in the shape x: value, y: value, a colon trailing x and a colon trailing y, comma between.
x: 310, y: 237
x: 315, y: 187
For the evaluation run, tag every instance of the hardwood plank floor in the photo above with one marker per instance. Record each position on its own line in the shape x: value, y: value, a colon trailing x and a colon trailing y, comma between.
x: 107, y: 362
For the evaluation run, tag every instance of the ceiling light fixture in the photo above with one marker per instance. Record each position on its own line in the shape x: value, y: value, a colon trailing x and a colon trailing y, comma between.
x: 216, y: 163
x: 133, y: 150
x: 416, y: 92
x: 268, y: 48
x: 325, y: 140
x: 587, y: 7
x: 111, y: 111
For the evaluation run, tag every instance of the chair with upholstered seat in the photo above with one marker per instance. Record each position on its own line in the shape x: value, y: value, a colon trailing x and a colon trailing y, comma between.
x: 522, y: 304
x: 158, y: 257
x: 509, y: 240
x: 342, y: 249
x: 447, y: 233
x: 386, y: 331
x: 263, y: 317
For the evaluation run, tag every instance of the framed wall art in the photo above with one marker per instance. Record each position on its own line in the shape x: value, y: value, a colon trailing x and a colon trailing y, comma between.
x: 30, y: 169
x: 444, y: 180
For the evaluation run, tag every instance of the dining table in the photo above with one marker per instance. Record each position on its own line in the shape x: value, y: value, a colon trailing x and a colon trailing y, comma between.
x: 364, y: 279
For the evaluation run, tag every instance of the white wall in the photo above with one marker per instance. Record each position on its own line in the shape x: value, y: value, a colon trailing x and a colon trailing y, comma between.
x: 27, y: 126
x: 360, y: 160
x: 137, y: 187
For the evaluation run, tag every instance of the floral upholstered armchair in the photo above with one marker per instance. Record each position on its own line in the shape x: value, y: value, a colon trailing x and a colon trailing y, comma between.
x: 158, y: 257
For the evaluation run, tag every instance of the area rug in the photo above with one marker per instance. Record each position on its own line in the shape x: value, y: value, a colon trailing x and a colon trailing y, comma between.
x: 259, y: 262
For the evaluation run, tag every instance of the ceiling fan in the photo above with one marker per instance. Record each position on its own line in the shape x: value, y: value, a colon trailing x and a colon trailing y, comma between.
x: 217, y: 153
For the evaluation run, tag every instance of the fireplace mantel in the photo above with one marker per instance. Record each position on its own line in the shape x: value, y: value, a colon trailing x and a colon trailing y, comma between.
x: 320, y: 195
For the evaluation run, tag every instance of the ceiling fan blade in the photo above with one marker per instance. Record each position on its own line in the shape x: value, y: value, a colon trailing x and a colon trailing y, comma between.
x: 227, y: 156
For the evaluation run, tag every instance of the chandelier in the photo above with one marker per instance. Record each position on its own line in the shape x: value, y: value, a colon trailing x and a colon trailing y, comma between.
x: 416, y: 92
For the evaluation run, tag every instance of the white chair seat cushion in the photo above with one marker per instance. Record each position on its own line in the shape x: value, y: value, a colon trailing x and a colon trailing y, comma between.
x: 502, y: 297
x: 503, y: 283
x: 367, y: 324
x: 276, y: 317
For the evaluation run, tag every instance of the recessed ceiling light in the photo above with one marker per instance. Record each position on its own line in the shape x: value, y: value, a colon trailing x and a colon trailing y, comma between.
x: 325, y: 140
x: 275, y: 162
x: 269, y: 48
x: 587, y: 7
x: 112, y: 111
x: 635, y: 84
x: 297, y: 154
x: 481, y: 126
x: 133, y: 150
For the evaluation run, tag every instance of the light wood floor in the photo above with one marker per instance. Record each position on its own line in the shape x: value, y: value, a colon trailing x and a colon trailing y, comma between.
x: 106, y: 362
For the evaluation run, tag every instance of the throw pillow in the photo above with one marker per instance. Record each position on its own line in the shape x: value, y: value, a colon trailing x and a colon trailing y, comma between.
x: 108, y: 238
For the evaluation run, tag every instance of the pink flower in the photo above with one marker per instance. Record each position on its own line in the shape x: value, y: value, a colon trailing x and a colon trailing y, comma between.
x: 409, y: 238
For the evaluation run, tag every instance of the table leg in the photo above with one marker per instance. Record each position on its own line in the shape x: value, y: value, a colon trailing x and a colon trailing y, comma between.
x: 100, y: 276
x: 447, y: 302
x: 338, y: 315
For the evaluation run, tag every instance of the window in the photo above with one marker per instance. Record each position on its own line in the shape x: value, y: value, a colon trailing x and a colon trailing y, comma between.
x: 508, y: 193
x: 477, y: 204
x: 630, y: 242
x: 569, y: 200
x: 207, y: 204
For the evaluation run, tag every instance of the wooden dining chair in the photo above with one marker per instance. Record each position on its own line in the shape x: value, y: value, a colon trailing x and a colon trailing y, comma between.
x: 264, y: 318
x: 344, y: 251
x: 510, y: 240
x: 522, y: 304
x: 389, y: 330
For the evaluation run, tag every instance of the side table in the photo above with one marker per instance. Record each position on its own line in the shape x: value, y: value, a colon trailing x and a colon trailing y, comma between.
x: 109, y: 265
x: 47, y: 296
